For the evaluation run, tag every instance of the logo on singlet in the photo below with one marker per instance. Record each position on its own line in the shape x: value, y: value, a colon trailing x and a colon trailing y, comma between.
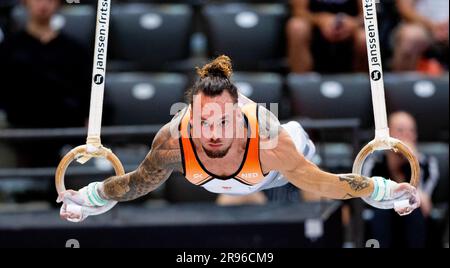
x: 198, y: 176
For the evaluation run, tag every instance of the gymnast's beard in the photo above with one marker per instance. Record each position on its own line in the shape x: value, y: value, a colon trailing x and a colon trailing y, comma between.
x: 216, y: 154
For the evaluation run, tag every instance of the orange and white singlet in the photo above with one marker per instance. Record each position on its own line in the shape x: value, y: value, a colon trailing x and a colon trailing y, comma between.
x: 249, y: 178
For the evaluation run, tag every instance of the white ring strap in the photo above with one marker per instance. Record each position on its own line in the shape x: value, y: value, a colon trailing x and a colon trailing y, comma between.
x: 99, y: 71
x: 375, y: 68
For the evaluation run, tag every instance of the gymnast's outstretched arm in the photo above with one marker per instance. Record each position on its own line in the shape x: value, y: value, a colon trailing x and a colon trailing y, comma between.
x: 98, y: 197
x: 278, y: 152
x: 163, y: 158
x: 307, y: 176
x: 284, y: 157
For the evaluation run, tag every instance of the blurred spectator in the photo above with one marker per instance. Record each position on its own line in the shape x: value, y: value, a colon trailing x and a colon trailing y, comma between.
x: 2, y: 34
x: 388, y: 20
x: 326, y: 35
x: 424, y: 28
x: 2, y: 30
x: 386, y: 226
x: 45, y: 81
x: 5, y: 10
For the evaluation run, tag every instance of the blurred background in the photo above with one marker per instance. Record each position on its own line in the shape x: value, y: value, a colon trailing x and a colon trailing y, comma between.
x: 308, y: 56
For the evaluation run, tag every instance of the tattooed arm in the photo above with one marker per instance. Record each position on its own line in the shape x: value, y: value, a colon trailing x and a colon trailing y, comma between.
x: 381, y: 193
x: 304, y: 174
x: 163, y: 158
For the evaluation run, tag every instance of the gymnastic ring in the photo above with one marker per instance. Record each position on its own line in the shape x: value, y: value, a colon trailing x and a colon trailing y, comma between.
x: 78, y: 152
x: 394, y: 145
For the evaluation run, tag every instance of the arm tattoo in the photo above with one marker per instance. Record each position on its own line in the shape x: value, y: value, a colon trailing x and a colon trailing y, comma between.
x: 156, y: 168
x: 356, y: 182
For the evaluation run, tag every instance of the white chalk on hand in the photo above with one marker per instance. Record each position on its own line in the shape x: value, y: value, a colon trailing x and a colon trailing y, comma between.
x: 401, y: 204
x: 75, y: 209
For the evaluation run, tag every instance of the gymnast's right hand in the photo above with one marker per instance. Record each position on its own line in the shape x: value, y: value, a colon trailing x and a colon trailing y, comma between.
x: 78, y: 205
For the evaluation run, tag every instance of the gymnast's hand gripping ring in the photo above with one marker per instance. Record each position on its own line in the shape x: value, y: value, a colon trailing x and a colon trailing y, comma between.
x: 82, y: 155
x: 395, y: 145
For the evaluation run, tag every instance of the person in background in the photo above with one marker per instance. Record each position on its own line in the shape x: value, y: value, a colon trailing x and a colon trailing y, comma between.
x: 409, y: 231
x: 326, y: 36
x: 424, y: 28
x: 45, y: 81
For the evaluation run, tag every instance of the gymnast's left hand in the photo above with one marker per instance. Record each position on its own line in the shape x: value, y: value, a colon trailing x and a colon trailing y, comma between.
x: 408, y: 194
x: 403, y: 197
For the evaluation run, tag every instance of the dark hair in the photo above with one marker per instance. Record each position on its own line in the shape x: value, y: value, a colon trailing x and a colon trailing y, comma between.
x: 214, y: 78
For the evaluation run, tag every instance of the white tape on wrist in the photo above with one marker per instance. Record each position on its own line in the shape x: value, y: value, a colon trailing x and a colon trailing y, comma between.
x: 382, y: 189
x: 91, y: 197
x: 379, y: 189
x: 94, y: 196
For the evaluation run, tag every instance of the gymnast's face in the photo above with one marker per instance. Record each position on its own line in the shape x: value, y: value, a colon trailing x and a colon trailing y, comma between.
x: 216, y: 122
x: 42, y: 10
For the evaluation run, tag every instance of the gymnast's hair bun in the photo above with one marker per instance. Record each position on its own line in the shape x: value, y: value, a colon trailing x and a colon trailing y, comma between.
x: 220, y: 67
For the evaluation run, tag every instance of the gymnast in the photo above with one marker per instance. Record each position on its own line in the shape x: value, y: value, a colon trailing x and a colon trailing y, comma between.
x: 228, y: 144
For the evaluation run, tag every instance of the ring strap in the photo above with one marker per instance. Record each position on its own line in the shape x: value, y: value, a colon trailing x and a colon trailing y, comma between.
x: 375, y: 68
x: 99, y: 71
